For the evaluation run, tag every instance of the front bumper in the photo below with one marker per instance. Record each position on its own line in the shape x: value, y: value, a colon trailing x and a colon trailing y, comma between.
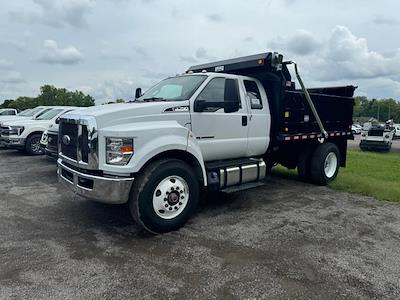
x: 51, y: 153
x: 13, y: 143
x: 374, y: 145
x: 113, y: 190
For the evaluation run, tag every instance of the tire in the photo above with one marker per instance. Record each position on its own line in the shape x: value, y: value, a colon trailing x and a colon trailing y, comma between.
x: 304, y: 164
x: 32, y: 145
x: 164, y: 196
x: 325, y: 164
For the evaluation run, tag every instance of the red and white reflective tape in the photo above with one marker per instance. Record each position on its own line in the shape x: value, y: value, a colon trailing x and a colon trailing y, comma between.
x: 311, y: 136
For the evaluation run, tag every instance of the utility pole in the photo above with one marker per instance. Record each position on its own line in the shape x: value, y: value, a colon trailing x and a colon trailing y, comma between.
x: 378, y: 111
x: 389, y: 112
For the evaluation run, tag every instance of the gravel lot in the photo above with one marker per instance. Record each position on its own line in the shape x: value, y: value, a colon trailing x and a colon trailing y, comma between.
x: 283, y: 240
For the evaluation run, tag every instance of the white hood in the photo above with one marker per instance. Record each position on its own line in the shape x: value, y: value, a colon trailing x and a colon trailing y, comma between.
x: 4, y: 119
x: 29, y: 123
x: 115, y: 114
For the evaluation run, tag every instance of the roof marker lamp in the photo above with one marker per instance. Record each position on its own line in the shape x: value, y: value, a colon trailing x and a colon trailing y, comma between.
x: 119, y: 150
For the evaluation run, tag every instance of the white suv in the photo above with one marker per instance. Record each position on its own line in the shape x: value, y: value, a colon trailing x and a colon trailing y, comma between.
x: 26, y: 134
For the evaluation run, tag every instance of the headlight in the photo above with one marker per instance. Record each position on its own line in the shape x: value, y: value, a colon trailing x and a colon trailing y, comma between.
x: 119, y: 150
x: 16, y: 130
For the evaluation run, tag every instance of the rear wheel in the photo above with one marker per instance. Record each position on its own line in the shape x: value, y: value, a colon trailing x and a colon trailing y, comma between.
x: 325, y: 164
x: 32, y: 144
x: 164, y: 196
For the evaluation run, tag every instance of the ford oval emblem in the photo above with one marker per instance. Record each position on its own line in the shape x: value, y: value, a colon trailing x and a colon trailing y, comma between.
x: 66, y: 140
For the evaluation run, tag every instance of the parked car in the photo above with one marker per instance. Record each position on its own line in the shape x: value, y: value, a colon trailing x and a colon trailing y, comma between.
x: 49, y: 142
x: 356, y: 129
x: 25, y: 115
x: 220, y: 126
x: 377, y: 138
x: 26, y: 134
x: 8, y: 112
x: 396, y: 132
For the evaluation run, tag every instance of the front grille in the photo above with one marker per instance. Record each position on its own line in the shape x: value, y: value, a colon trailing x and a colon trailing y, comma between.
x: 375, y: 132
x: 52, y: 141
x: 70, y: 149
x: 84, y: 142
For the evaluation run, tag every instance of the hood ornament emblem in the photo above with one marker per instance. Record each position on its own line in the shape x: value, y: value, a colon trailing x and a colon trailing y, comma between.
x: 66, y: 140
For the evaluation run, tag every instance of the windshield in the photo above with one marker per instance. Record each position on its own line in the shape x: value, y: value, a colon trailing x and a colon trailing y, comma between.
x: 50, y: 114
x: 24, y: 112
x: 32, y: 112
x: 174, y: 89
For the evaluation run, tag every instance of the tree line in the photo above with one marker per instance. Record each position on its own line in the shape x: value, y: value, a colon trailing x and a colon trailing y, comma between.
x: 380, y: 109
x: 50, y: 96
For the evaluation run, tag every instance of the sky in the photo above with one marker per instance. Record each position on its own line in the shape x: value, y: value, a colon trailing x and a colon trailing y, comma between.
x: 108, y: 48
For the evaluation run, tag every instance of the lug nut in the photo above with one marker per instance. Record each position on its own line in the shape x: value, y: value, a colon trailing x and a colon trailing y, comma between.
x: 180, y: 203
x: 176, y: 207
x: 166, y: 205
x: 170, y: 208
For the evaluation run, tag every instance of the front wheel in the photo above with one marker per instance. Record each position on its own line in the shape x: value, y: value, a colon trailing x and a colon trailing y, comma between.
x: 325, y: 163
x: 164, y: 196
x: 32, y: 144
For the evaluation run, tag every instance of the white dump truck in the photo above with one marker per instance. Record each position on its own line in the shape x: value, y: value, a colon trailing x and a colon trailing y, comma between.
x: 218, y: 126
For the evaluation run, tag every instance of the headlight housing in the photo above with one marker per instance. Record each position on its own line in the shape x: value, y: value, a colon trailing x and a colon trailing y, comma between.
x: 16, y: 130
x: 119, y: 150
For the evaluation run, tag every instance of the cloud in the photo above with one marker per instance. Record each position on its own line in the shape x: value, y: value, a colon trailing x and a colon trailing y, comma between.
x: 11, y: 77
x: 384, y: 20
x: 56, y: 13
x: 215, y: 18
x: 301, y: 43
x: 52, y: 54
x: 347, y: 56
x: 188, y: 59
x: 5, y: 64
x: 341, y: 56
x: 19, y: 45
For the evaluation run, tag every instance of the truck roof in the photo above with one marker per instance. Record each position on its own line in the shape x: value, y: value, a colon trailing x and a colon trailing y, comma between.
x: 261, y: 61
x: 253, y: 65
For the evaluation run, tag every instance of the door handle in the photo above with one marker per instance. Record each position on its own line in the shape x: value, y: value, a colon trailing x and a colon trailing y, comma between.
x: 244, y: 120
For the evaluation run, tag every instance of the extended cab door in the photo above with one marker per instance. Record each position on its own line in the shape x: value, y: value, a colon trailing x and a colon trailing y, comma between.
x: 220, y: 135
x: 259, y: 116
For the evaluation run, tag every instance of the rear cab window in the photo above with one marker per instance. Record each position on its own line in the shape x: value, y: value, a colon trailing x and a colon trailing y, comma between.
x: 253, y: 93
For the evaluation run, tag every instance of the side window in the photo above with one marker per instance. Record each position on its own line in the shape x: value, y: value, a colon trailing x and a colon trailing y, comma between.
x: 253, y: 93
x: 217, y: 91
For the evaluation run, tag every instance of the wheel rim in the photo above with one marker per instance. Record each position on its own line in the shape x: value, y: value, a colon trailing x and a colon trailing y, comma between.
x: 35, y: 146
x: 330, y: 165
x: 170, y: 197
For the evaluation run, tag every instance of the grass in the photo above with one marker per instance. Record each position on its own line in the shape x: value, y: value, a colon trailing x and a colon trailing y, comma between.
x: 367, y: 173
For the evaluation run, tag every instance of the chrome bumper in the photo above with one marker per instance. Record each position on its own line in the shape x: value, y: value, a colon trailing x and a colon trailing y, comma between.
x: 13, y: 142
x: 97, y: 188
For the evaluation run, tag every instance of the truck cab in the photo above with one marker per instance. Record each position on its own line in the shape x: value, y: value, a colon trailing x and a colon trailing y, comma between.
x: 218, y: 126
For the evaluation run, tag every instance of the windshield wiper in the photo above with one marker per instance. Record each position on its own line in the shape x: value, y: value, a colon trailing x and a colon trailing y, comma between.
x: 154, y: 99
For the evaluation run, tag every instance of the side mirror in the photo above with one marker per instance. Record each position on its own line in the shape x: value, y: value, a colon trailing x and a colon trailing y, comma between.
x: 58, y: 120
x: 232, y: 98
x: 199, y: 105
x: 138, y: 93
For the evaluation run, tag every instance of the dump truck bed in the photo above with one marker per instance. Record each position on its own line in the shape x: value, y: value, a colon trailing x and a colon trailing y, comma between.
x: 334, y: 106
